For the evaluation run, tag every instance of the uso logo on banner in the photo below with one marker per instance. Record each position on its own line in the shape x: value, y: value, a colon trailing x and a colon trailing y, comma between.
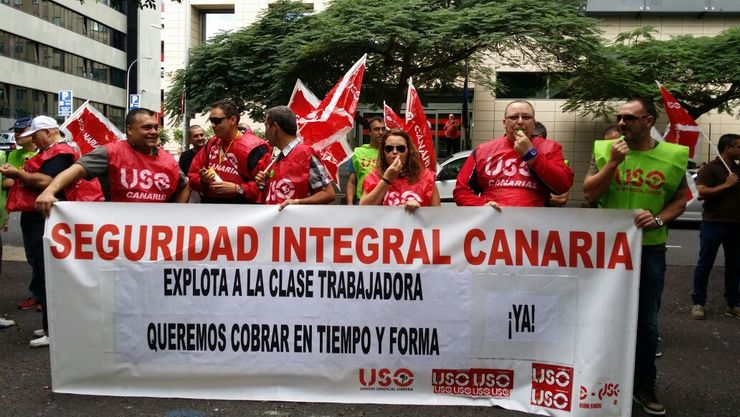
x: 497, y: 383
x: 384, y: 379
x: 552, y: 386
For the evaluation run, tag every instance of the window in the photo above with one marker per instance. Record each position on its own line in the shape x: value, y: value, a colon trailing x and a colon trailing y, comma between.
x: 4, y: 97
x: 100, y: 72
x: 530, y: 85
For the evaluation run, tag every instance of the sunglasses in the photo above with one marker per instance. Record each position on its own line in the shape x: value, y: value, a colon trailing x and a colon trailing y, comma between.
x: 398, y: 148
x: 630, y: 117
x: 516, y: 117
x: 217, y: 120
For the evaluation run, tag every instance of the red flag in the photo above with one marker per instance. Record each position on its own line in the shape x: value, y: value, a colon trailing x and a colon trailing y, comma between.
x: 682, y: 128
x: 334, y: 117
x: 335, y: 155
x: 418, y: 127
x: 392, y: 120
x: 324, y: 124
x: 302, y: 100
x: 88, y: 128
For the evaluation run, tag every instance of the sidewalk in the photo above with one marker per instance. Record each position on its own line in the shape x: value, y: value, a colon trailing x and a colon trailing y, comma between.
x: 697, y: 375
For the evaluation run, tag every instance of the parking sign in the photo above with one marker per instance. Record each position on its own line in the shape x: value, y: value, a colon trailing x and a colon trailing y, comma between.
x: 134, y: 101
x: 65, y: 103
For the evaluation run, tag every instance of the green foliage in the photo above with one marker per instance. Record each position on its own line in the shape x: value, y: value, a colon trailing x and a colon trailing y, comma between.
x: 428, y: 40
x: 260, y: 133
x: 164, y: 136
x: 177, y: 134
x: 703, y: 73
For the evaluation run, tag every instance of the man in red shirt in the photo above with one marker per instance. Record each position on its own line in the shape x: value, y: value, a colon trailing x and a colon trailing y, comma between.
x: 134, y: 170
x: 515, y: 169
x: 223, y: 172
x: 452, y: 132
x: 296, y: 174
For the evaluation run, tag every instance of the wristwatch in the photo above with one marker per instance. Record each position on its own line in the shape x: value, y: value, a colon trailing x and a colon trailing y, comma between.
x: 529, y: 155
x: 239, y: 189
x: 658, y: 221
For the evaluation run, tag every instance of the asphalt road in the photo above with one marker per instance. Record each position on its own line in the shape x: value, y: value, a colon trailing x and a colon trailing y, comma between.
x: 698, y: 373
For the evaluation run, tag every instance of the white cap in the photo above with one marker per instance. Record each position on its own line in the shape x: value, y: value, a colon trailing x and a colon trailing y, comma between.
x: 40, y: 123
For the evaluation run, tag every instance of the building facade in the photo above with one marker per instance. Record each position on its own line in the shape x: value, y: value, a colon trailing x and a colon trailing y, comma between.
x: 95, y: 49
x: 576, y: 132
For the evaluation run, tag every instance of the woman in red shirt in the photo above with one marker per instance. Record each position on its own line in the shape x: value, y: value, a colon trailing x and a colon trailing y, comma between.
x: 400, y: 179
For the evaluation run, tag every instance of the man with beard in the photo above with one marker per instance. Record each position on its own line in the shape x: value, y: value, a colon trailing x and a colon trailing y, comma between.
x: 647, y: 176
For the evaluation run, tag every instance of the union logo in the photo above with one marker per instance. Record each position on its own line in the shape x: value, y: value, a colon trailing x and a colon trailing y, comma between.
x: 655, y: 180
x: 282, y: 190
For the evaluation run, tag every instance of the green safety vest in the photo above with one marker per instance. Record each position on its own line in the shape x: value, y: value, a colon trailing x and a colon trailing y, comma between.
x: 645, y: 180
x: 363, y: 162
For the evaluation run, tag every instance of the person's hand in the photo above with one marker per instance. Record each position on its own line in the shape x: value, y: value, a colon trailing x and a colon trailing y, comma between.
x: 411, y: 205
x: 494, y: 205
x: 289, y: 202
x: 394, y: 169
x: 44, y: 202
x: 261, y: 180
x: 207, y: 178
x: 522, y: 144
x: 645, y: 220
x: 619, y: 151
x: 558, y: 200
x: 731, y: 180
x: 9, y: 171
x: 223, y: 189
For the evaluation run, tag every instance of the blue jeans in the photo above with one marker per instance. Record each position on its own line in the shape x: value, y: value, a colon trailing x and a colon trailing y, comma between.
x: 652, y: 277
x: 711, y: 236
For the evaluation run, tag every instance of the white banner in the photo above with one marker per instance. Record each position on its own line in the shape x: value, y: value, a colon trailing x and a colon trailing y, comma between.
x: 529, y: 309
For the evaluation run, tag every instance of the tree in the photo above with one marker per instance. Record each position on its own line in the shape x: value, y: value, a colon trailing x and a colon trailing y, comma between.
x: 703, y: 73
x: 428, y: 40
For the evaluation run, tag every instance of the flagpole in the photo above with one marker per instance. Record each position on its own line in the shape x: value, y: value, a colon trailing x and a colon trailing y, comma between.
x: 675, y: 124
x: 716, y: 148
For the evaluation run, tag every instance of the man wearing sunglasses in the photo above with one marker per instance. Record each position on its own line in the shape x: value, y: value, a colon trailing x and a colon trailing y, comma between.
x: 517, y: 169
x: 223, y: 172
x: 637, y: 172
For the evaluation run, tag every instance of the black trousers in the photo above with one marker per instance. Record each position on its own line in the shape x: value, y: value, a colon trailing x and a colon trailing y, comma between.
x: 32, y: 227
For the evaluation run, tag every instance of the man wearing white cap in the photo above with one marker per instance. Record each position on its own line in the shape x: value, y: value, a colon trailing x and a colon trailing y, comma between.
x: 54, y: 156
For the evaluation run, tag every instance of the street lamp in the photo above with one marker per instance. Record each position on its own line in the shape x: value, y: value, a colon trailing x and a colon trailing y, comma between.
x: 128, y: 79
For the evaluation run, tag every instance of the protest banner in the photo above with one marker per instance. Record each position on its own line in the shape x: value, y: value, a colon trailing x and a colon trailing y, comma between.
x: 529, y: 309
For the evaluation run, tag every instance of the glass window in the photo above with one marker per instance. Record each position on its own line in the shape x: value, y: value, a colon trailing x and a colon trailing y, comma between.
x: 115, y: 115
x: 24, y: 49
x: 4, y: 43
x: 4, y: 98
x: 118, y: 77
x: 45, y: 56
x: 100, y: 72
x: 23, y: 105
x: 57, y: 59
x: 530, y: 85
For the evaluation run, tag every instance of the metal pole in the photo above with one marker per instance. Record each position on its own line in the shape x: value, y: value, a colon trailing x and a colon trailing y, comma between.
x: 128, y: 79
x: 186, y: 121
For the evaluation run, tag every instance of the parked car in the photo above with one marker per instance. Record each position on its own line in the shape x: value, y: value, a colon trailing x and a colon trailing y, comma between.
x: 7, y: 141
x: 447, y: 176
x: 450, y: 167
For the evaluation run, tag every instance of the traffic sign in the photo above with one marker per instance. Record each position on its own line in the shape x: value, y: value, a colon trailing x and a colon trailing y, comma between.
x: 134, y: 101
x: 65, y: 103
